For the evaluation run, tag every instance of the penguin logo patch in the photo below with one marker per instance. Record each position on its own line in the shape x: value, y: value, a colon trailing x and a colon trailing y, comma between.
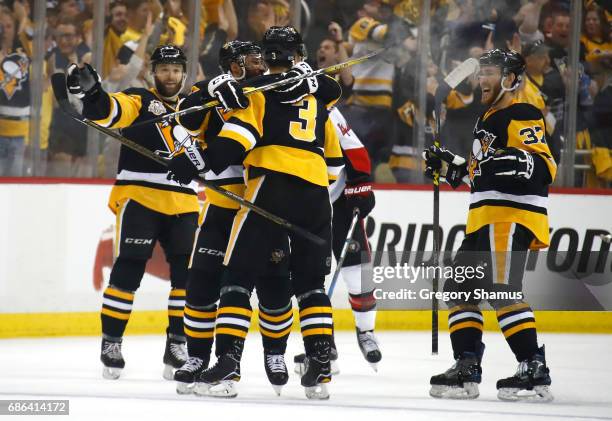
x: 14, y: 73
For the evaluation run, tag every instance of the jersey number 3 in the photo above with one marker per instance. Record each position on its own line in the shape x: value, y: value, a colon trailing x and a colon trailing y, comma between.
x: 532, y: 135
x: 304, y: 129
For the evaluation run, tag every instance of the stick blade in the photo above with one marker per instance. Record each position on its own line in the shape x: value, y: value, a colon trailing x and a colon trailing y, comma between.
x: 58, y: 84
x: 461, y: 72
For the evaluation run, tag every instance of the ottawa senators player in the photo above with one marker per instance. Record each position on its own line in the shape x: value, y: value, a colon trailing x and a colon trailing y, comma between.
x: 149, y: 207
x: 509, y: 170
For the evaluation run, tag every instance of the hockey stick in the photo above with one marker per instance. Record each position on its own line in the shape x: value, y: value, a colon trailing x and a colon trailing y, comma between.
x: 345, y: 247
x: 58, y: 83
x: 210, y: 104
x: 450, y: 82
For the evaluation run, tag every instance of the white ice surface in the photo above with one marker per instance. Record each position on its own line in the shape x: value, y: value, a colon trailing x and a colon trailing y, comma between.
x: 69, y: 368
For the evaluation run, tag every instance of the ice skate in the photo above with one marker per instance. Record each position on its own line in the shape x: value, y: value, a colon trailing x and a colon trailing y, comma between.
x: 298, y: 363
x: 175, y: 356
x: 368, y: 344
x: 276, y: 370
x: 317, y: 371
x: 112, y: 359
x: 186, y: 376
x: 530, y: 383
x: 461, y: 380
x: 220, y: 380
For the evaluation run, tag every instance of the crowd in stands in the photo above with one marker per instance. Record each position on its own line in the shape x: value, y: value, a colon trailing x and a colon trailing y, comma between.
x: 381, y: 96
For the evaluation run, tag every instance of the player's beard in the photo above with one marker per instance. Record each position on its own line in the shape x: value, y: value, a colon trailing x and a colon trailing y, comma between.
x: 167, y: 90
x: 490, y: 97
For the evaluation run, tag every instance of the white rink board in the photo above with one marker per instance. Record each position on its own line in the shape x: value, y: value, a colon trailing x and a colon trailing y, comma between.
x: 50, y: 233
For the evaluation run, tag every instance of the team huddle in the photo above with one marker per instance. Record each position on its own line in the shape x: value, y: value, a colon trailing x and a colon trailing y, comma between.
x: 288, y: 150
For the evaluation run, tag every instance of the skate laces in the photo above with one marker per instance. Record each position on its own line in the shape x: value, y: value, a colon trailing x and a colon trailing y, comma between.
x: 192, y: 364
x: 113, y: 350
x: 368, y: 341
x: 276, y: 363
x: 179, y: 350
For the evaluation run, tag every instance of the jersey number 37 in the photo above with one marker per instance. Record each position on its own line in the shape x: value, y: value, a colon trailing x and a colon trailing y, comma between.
x: 531, y: 135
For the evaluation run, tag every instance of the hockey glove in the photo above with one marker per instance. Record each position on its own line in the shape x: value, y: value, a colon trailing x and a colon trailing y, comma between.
x: 84, y: 81
x: 512, y: 162
x: 360, y: 196
x: 452, y: 167
x: 296, y: 91
x: 185, y: 167
x: 229, y: 93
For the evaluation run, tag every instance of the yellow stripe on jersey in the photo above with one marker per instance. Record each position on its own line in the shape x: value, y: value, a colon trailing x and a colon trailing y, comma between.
x: 372, y: 100
x: 332, y: 149
x: 221, y: 201
x: 529, y: 135
x: 457, y: 100
x: 14, y: 128
x: 529, y: 93
x: 536, y: 222
x: 129, y: 105
x: 163, y: 201
x: 298, y: 162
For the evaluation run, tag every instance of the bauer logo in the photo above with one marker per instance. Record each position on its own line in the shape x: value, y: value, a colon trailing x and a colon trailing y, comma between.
x: 139, y: 241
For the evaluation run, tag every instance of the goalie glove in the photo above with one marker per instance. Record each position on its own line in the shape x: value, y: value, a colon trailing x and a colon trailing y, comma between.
x: 511, y: 162
x: 452, y: 167
x: 83, y: 82
x: 229, y: 93
x: 360, y: 196
x: 296, y: 91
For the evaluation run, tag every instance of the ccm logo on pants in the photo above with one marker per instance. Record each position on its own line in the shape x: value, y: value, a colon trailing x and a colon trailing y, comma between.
x: 141, y: 241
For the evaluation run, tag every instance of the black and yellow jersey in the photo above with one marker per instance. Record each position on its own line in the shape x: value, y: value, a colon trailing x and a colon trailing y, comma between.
x: 373, y: 78
x: 205, y: 126
x: 503, y: 199
x: 297, y: 139
x: 595, y: 49
x: 139, y: 178
x: 15, y: 94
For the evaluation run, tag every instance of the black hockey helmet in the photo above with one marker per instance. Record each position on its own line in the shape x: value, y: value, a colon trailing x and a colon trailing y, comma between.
x: 508, y: 61
x: 234, y: 51
x: 168, y: 54
x: 281, y: 45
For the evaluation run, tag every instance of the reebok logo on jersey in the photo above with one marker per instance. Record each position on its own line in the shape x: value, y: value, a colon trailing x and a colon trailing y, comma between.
x: 139, y: 241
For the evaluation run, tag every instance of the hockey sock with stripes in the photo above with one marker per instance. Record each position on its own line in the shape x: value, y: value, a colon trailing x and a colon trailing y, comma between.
x: 517, y: 323
x: 362, y: 303
x: 199, y: 325
x: 316, y: 322
x: 116, y: 310
x: 176, y: 306
x: 233, y: 318
x: 465, y: 324
x: 275, y: 327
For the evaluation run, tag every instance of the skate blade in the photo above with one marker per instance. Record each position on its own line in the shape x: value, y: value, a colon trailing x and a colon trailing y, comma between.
x: 184, y: 388
x: 538, y: 394
x: 318, y: 392
x: 468, y: 391
x: 277, y: 389
x: 374, y: 367
x: 223, y: 389
x: 111, y: 373
x: 168, y: 373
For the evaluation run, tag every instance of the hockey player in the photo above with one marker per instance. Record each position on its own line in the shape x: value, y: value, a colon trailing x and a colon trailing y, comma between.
x: 149, y: 207
x: 353, y: 189
x: 509, y: 170
x: 289, y: 143
x: 239, y: 61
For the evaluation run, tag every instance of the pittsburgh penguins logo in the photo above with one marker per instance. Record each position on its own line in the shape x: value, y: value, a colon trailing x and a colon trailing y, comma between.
x: 481, y: 151
x: 277, y: 256
x: 14, y: 73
